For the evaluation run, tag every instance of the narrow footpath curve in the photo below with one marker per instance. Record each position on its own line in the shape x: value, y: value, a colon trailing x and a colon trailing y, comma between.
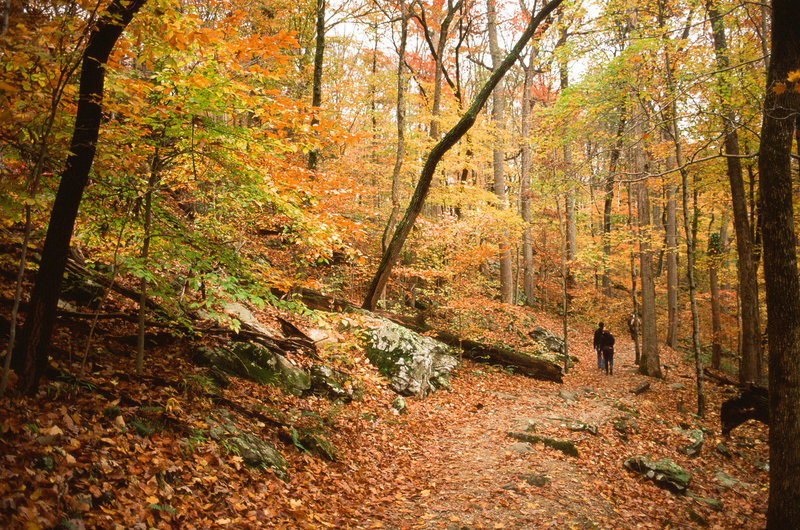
x: 478, y: 477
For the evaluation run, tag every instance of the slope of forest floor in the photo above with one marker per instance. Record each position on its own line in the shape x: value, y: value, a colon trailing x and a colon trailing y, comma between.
x: 116, y: 450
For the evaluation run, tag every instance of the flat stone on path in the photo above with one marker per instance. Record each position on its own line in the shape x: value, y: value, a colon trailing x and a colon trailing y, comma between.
x: 566, y: 395
x: 535, y: 479
x: 520, y: 447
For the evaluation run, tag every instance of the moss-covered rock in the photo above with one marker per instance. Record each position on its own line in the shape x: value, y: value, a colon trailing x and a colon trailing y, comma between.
x: 256, y: 363
x: 332, y: 384
x: 560, y: 444
x: 664, y: 472
x: 696, y: 444
x: 255, y: 452
x: 411, y: 361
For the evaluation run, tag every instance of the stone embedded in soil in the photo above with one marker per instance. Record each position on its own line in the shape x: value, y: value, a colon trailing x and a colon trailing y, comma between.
x: 534, y: 479
x: 714, y: 504
x: 520, y: 447
x: 726, y: 480
x: 664, y: 472
x: 566, y: 395
x: 565, y: 446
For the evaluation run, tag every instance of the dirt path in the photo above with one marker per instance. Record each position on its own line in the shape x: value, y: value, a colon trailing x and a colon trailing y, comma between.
x: 476, y: 474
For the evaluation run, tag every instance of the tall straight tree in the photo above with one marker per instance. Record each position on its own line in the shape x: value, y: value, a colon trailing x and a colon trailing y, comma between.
x: 498, y: 119
x: 669, y: 132
x: 405, y: 13
x: 569, y: 198
x: 316, y: 87
x: 31, y: 361
x: 391, y: 254
x: 649, y: 363
x: 750, y: 365
x: 525, y: 181
x: 781, y: 106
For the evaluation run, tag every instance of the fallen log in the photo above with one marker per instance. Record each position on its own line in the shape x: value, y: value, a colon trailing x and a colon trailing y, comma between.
x: 520, y: 362
x: 720, y: 377
x: 493, y: 354
x: 315, y: 300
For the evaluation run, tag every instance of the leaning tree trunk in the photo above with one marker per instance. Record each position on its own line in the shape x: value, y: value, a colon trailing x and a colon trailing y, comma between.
x: 750, y: 365
x: 781, y: 104
x: 498, y: 121
x: 36, y: 334
x: 449, y: 140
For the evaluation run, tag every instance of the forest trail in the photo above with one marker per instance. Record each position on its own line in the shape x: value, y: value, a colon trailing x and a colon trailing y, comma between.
x: 476, y: 474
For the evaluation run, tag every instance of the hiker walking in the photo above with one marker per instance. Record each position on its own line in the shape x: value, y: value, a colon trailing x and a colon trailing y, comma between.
x: 598, y: 335
x: 607, y: 348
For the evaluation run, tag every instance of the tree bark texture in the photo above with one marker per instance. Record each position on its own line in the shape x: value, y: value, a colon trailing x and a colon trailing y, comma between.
x: 672, y: 265
x: 650, y: 363
x: 608, y: 203
x: 636, y: 327
x: 40, y: 321
x: 389, y: 257
x: 401, y: 127
x: 498, y: 121
x: 316, y: 87
x: 780, y: 266
x: 750, y: 365
x: 525, y: 184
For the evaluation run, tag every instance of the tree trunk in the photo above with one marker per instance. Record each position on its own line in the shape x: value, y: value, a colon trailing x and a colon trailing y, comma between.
x: 716, y: 321
x: 672, y: 265
x: 40, y: 321
x: 152, y: 181
x: 634, y: 301
x: 650, y: 363
x: 613, y: 160
x: 498, y: 120
x: 571, y: 242
x: 389, y: 257
x: 750, y: 365
x: 781, y: 104
x: 673, y: 131
x: 564, y: 277
x: 401, y: 127
x: 525, y: 184
x: 316, y: 88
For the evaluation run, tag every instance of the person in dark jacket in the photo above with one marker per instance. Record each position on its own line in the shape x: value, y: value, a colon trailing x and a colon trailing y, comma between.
x: 598, y: 335
x: 607, y: 348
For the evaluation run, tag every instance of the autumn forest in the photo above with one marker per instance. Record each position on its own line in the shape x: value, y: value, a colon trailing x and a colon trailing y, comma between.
x: 339, y: 263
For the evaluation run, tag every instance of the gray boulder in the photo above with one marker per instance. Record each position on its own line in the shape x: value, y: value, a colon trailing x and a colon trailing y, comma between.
x: 664, y: 472
x: 246, y: 318
x: 412, y: 362
x: 551, y: 341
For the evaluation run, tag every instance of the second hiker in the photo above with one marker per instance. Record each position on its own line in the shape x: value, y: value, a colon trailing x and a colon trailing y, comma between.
x: 607, y: 349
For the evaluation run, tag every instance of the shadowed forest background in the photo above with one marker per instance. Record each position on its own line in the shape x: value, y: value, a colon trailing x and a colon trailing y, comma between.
x: 179, y: 176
